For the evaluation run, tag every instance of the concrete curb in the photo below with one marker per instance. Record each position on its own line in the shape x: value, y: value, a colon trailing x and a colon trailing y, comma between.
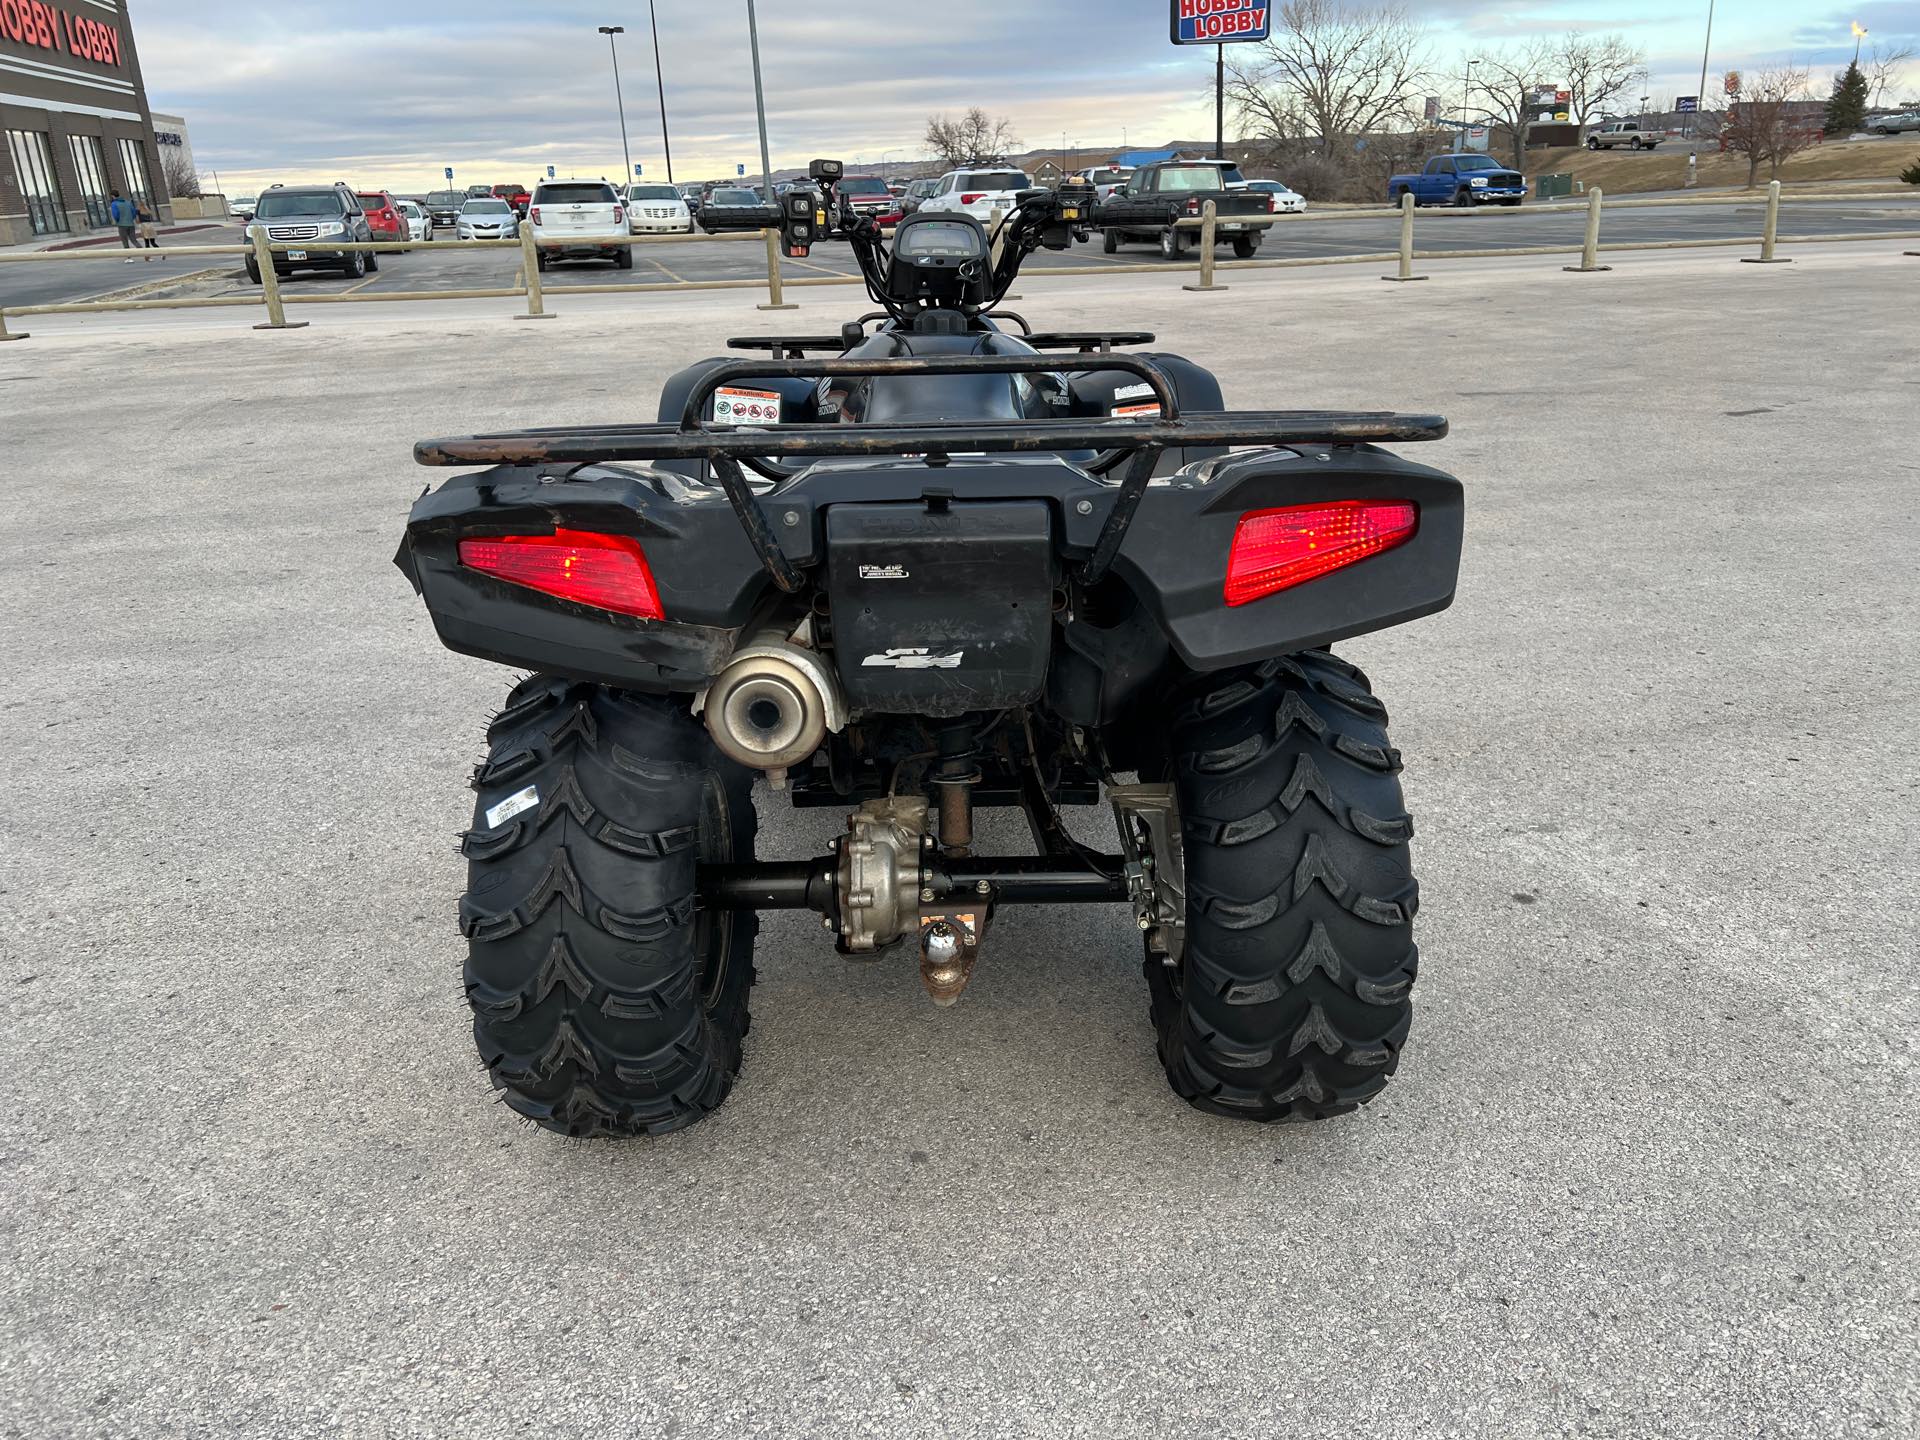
x: 133, y: 292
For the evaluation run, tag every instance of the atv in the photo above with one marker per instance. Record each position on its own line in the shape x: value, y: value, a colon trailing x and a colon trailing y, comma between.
x: 953, y: 564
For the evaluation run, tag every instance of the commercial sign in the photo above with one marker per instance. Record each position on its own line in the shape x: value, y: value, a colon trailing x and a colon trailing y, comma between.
x: 1686, y: 105
x: 1220, y: 22
x: 1733, y: 82
x: 46, y: 27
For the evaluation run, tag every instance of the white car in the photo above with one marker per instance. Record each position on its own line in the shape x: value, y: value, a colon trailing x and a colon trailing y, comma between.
x: 977, y: 192
x: 657, y: 210
x: 579, y: 220
x: 485, y: 218
x: 1280, y: 199
x: 419, y: 222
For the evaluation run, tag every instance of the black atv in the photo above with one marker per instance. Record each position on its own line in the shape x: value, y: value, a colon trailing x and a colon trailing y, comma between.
x: 953, y: 566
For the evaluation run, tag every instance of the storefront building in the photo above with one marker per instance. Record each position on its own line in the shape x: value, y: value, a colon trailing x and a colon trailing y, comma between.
x: 74, y: 122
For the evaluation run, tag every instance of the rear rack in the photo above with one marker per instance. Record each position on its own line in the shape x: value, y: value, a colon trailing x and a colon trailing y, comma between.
x: 1136, y: 442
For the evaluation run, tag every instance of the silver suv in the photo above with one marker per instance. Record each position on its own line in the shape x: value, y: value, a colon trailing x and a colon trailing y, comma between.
x: 291, y: 214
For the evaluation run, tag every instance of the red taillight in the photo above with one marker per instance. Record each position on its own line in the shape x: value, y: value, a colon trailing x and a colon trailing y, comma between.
x: 1277, y: 549
x: 608, y: 572
x: 1273, y: 203
x: 1193, y: 207
x: 618, y: 215
x: 534, y: 214
x: 971, y: 199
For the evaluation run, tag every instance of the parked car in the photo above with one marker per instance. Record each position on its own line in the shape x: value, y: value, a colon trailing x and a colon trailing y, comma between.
x: 733, y: 208
x: 1106, y: 179
x: 316, y: 213
x: 1282, y: 201
x: 1464, y: 180
x: 444, y: 208
x: 1151, y: 205
x: 917, y: 192
x: 1615, y: 133
x: 479, y: 192
x: 514, y: 195
x: 865, y: 194
x: 1895, y: 124
x: 694, y: 195
x: 419, y: 222
x: 579, y: 220
x: 485, y: 218
x: 657, y: 210
x: 978, y: 192
x: 241, y: 208
x: 383, y: 214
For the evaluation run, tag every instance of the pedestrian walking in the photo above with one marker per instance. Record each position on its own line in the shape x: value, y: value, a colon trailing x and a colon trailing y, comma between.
x: 126, y: 218
x: 149, y: 234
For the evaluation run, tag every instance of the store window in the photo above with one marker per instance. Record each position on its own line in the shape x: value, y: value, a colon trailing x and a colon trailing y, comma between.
x: 33, y: 164
x: 90, y: 168
x: 133, y: 161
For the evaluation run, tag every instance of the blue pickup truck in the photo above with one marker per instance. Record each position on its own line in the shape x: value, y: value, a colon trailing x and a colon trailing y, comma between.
x: 1463, y: 180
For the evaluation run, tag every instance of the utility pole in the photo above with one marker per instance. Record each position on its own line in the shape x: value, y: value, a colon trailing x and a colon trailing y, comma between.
x: 610, y: 31
x: 659, y: 80
x: 760, y: 103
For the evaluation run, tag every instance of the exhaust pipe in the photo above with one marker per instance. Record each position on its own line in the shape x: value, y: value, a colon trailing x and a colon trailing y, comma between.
x: 773, y: 704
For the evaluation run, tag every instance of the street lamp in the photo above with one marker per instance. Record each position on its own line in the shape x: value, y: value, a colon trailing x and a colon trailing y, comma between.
x: 1466, y: 90
x: 759, y: 102
x: 610, y: 31
x: 659, y: 80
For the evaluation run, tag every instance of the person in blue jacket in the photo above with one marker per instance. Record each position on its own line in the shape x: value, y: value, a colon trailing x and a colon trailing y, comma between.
x: 125, y: 216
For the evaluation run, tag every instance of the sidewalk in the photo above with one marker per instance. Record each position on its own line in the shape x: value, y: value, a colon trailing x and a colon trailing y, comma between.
x: 111, y: 236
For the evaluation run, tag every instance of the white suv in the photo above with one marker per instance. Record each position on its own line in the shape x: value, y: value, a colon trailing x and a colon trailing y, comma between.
x: 977, y: 192
x: 657, y: 210
x: 579, y: 219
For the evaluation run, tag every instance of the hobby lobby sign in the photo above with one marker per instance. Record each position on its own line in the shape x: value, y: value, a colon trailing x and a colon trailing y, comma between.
x: 1221, y: 22
x: 32, y: 22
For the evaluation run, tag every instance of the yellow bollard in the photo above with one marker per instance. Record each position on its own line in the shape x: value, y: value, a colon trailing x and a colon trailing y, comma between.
x: 1406, y: 242
x: 1590, y: 247
x: 1769, y: 232
x: 776, y: 293
x: 530, y: 260
x: 1209, y: 219
x: 270, y: 285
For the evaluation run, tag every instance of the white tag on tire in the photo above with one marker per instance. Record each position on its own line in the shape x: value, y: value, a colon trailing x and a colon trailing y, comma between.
x: 526, y: 799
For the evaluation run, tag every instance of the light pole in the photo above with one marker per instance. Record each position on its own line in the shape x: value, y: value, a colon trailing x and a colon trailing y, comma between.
x: 1466, y: 91
x: 666, y: 143
x: 760, y: 103
x: 1700, y: 100
x: 610, y: 31
x: 1859, y: 34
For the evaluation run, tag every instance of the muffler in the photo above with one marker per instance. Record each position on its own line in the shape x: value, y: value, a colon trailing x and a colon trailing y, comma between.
x: 773, y: 704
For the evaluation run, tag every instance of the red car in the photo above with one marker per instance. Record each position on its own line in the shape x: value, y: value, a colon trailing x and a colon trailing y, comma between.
x: 383, y: 215
x: 514, y: 195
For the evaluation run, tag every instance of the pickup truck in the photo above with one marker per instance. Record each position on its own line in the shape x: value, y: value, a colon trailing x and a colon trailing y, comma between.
x: 1622, y: 132
x: 1155, y: 197
x: 1464, y: 180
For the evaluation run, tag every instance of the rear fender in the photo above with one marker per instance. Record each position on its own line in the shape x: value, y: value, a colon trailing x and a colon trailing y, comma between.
x: 709, y: 580
x: 1175, y: 556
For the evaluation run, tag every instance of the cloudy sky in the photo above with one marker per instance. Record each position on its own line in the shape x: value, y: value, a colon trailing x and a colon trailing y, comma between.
x: 387, y: 92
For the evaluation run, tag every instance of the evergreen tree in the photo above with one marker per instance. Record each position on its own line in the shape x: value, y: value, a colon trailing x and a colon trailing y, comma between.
x: 1847, y: 109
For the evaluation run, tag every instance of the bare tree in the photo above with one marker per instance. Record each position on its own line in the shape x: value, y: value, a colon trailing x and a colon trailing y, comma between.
x: 1505, y: 83
x: 1884, y: 68
x: 1596, y: 68
x: 976, y: 138
x: 1763, y: 122
x: 178, y: 176
x: 1332, y: 69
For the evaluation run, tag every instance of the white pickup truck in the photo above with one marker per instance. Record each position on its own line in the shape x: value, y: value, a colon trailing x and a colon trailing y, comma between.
x: 1623, y: 132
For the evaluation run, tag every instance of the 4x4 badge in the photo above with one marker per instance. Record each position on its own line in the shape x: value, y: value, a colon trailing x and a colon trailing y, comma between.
x: 910, y: 659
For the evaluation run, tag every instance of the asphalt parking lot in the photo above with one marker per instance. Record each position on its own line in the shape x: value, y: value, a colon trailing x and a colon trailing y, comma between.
x: 441, y: 266
x: 1648, y: 1168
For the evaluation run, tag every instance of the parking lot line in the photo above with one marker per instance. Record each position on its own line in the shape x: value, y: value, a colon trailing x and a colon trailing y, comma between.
x: 664, y: 270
